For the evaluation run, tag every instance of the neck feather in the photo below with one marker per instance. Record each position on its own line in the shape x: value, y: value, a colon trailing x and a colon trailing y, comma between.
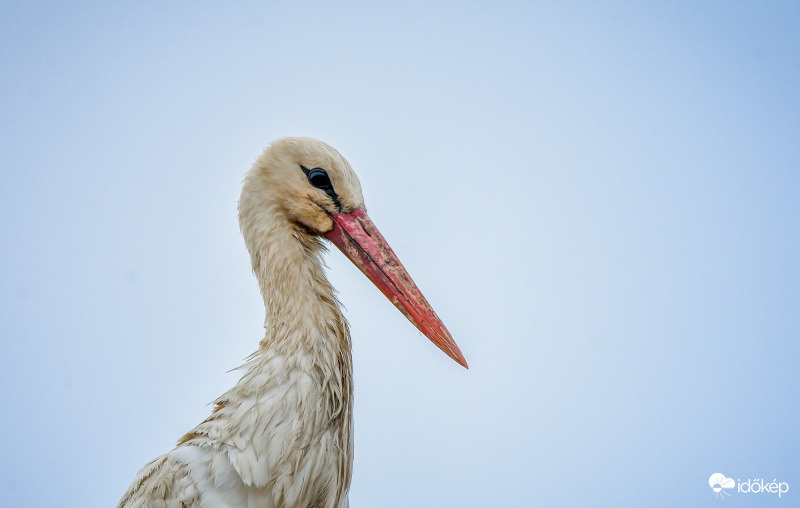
x: 292, y: 408
x: 301, y: 308
x: 291, y: 412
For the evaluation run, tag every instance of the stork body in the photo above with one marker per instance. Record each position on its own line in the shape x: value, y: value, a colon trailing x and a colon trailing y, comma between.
x: 282, y: 436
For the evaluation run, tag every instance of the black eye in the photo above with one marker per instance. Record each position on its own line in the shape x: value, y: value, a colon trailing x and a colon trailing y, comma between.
x: 319, y: 179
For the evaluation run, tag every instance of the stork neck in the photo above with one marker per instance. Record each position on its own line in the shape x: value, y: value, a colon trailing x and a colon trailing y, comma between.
x: 291, y: 411
x: 301, y: 309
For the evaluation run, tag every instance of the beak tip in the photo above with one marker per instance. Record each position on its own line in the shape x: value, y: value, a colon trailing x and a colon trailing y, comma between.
x: 457, y: 355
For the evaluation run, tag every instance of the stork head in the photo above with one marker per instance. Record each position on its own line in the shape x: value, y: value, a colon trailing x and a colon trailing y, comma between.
x: 306, y: 180
x: 310, y: 184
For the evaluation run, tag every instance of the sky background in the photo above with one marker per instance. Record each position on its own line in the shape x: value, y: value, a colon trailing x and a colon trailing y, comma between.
x: 601, y: 202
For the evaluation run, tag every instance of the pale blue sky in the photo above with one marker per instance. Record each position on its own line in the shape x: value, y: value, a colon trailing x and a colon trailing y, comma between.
x: 601, y: 202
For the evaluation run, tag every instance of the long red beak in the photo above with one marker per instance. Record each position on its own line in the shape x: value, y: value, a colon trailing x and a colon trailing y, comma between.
x: 359, y: 239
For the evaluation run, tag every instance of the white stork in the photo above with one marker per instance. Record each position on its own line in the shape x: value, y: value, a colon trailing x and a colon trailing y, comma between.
x: 282, y: 437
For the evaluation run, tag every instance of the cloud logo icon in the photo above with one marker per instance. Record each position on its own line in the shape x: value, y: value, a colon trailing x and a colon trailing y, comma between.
x: 718, y: 481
